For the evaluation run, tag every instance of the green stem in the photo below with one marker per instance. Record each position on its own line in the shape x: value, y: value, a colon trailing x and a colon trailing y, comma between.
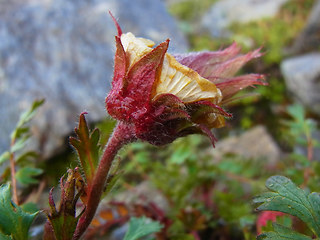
x: 122, y: 135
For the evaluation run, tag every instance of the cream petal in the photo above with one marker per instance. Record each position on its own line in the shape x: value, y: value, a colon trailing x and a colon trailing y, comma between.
x: 175, y: 78
x: 185, y: 83
x: 134, y: 47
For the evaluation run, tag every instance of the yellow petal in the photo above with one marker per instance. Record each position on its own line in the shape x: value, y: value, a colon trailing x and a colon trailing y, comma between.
x: 185, y: 83
x: 175, y: 78
x: 135, y: 48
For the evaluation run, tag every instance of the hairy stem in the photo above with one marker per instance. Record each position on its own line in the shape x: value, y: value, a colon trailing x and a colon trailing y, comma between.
x: 13, y: 177
x: 122, y: 135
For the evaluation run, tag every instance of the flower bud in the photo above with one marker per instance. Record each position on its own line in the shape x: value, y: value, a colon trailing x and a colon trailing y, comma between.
x: 166, y: 96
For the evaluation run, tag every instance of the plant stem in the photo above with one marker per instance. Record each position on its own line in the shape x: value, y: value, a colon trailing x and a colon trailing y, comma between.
x: 122, y: 135
x: 13, y: 177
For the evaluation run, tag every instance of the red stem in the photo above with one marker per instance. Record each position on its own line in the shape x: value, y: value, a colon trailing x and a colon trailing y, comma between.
x: 13, y: 176
x: 122, y: 135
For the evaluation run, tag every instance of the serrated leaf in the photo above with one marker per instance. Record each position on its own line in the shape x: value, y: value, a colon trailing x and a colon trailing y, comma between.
x: 288, y: 198
x: 4, y: 157
x: 87, y: 146
x: 13, y: 220
x: 140, y: 227
x: 282, y: 233
x: 26, y: 175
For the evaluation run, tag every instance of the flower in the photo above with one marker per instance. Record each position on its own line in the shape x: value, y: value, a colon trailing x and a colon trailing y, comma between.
x: 166, y: 96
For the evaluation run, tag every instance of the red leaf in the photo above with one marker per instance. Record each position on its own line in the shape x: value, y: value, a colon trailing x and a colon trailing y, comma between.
x: 143, y: 74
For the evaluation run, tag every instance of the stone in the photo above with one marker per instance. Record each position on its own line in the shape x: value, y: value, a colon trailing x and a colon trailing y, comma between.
x: 143, y: 194
x: 62, y: 51
x: 309, y: 38
x: 225, y: 12
x: 302, y: 77
x: 255, y: 143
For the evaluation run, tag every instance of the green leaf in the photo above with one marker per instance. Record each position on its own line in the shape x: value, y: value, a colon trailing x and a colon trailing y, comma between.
x: 140, y: 227
x: 26, y: 175
x: 5, y: 237
x: 297, y: 112
x: 4, y: 157
x: 14, y: 221
x: 288, y: 198
x: 282, y: 233
x: 19, y: 144
x: 87, y: 146
x: 26, y: 158
x: 64, y: 220
x: 25, y: 117
x: 30, y: 207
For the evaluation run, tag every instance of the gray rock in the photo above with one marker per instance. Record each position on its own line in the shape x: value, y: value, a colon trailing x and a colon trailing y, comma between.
x: 144, y: 193
x: 256, y: 143
x: 309, y: 39
x: 302, y: 77
x: 62, y: 51
x: 225, y: 12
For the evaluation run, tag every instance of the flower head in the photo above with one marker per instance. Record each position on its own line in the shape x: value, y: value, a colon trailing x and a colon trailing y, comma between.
x: 166, y: 96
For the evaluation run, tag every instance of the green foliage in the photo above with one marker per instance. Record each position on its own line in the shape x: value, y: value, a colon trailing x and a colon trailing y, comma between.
x: 282, y: 233
x: 286, y: 197
x: 63, y: 221
x: 21, y: 129
x: 190, y: 178
x: 88, y: 148
x: 189, y: 10
x: 298, y: 132
x: 300, y: 128
x: 274, y: 33
x: 14, y: 222
x: 19, y: 138
x: 21, y: 133
x: 141, y: 227
x: 26, y: 175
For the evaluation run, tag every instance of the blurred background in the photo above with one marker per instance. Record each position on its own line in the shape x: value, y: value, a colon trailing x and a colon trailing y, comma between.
x: 62, y: 51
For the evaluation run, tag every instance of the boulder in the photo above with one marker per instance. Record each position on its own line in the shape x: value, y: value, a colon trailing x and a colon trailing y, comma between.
x: 255, y: 143
x: 309, y: 38
x: 225, y: 12
x: 302, y: 77
x: 62, y: 51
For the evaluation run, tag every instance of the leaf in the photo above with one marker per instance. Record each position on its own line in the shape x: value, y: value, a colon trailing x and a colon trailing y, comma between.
x: 5, y: 237
x: 13, y: 220
x: 62, y: 222
x: 26, y: 158
x: 297, y: 112
x: 4, y: 157
x: 25, y: 117
x: 26, y: 175
x: 87, y: 146
x: 282, y: 233
x: 19, y: 144
x: 140, y: 227
x: 288, y: 198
